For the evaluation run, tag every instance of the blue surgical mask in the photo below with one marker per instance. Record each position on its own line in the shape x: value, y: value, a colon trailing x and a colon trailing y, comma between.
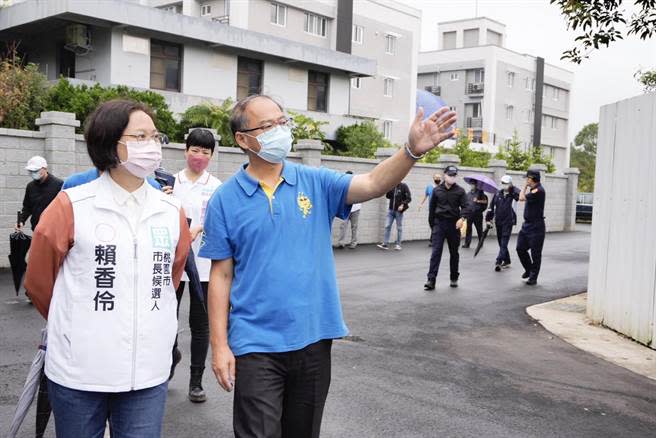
x: 36, y: 175
x: 275, y: 144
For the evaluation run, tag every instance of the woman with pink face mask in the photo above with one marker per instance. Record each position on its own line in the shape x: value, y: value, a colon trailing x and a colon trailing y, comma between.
x: 105, y: 262
x: 193, y: 187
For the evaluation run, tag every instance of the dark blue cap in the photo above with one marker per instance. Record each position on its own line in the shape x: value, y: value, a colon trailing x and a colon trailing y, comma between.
x: 451, y: 170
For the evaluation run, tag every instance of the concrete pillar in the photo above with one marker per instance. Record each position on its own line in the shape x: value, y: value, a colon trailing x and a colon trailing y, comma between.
x: 381, y: 155
x: 310, y: 151
x: 59, y: 131
x: 499, y: 167
x: 542, y: 168
x: 447, y: 160
x: 570, y: 198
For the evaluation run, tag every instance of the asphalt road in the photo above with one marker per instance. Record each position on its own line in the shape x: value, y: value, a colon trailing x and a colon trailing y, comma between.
x: 466, y: 362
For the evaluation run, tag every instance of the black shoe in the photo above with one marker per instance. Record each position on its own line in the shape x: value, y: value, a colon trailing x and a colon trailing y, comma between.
x: 196, y: 392
x: 505, y: 265
x: 532, y: 282
x: 177, y: 357
x: 430, y: 285
x: 525, y: 275
x: 454, y: 283
x: 497, y: 267
x: 465, y: 246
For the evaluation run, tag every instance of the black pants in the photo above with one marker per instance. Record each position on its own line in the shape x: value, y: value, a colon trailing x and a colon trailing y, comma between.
x: 445, y: 229
x: 476, y: 221
x: 531, y: 238
x: 282, y: 395
x: 198, y: 324
x: 503, y: 237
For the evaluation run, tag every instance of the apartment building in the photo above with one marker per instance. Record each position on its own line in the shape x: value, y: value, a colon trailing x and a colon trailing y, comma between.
x: 335, y: 60
x: 498, y: 92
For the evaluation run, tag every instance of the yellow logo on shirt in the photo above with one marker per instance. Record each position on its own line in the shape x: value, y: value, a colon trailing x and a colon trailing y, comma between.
x: 304, y: 204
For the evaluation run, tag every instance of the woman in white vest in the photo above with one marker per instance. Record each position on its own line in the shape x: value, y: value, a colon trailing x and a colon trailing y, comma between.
x: 193, y: 187
x: 105, y: 262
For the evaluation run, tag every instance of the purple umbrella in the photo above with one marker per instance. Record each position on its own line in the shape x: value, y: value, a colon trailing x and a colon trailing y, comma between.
x: 483, y: 182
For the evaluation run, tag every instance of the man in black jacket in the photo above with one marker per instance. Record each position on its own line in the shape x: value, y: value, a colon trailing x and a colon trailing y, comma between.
x: 39, y: 192
x: 448, y: 208
x: 477, y: 206
x: 503, y: 213
x: 399, y: 201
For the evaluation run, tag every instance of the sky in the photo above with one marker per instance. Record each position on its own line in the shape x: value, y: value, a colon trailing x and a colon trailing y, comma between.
x: 537, y: 28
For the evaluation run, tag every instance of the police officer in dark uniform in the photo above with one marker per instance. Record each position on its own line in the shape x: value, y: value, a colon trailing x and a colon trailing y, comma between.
x: 477, y: 205
x: 531, y: 237
x: 504, y: 216
x: 448, y: 208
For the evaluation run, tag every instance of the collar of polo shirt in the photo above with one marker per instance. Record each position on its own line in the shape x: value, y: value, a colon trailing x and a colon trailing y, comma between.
x: 250, y: 184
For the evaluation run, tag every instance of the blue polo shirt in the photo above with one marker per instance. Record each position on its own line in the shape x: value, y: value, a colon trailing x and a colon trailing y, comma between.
x: 284, y: 292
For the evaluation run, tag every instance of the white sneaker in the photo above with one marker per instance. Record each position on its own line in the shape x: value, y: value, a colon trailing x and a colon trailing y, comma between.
x: 383, y: 246
x: 397, y: 247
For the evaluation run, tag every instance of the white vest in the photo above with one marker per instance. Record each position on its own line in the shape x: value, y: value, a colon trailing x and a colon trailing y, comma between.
x: 112, y: 319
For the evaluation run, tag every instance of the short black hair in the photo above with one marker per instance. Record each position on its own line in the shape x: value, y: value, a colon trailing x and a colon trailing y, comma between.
x: 348, y: 172
x: 238, y: 119
x: 201, y: 137
x: 104, y: 128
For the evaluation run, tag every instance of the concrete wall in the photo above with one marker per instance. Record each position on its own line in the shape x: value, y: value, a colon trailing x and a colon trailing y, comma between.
x: 621, y: 280
x: 66, y: 153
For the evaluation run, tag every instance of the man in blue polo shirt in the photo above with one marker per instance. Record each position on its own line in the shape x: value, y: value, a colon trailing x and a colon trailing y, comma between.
x: 274, y: 305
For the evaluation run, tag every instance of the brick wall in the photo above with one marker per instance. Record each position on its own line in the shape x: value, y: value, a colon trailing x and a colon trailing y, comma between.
x: 66, y: 153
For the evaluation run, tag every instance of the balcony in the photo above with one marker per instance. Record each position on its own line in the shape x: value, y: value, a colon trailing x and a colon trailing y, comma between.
x: 474, y: 122
x: 475, y: 88
x: 435, y: 89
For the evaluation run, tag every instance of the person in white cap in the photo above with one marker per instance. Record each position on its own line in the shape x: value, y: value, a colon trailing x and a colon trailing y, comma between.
x: 39, y: 192
x: 502, y: 211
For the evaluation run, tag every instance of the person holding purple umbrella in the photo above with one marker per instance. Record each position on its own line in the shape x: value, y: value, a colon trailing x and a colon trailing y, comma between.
x: 477, y: 204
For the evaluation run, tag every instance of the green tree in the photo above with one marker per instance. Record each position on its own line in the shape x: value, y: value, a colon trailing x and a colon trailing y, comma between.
x: 468, y: 156
x: 602, y: 22
x: 647, y: 79
x: 83, y: 99
x: 361, y: 140
x: 23, y: 93
x: 583, y: 155
x: 512, y: 153
x: 209, y: 115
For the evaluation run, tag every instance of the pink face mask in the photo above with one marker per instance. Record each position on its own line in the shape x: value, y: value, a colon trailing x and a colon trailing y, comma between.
x: 143, y: 158
x: 198, y: 163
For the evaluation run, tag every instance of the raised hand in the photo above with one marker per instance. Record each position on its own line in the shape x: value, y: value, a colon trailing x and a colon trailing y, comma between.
x: 426, y: 134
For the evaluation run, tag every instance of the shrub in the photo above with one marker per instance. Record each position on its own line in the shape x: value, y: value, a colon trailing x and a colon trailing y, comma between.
x: 361, y: 140
x: 517, y: 159
x: 209, y: 115
x: 23, y: 92
x: 83, y: 99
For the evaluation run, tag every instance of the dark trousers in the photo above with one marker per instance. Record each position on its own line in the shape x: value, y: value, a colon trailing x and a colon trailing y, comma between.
x: 198, y: 324
x: 503, y: 237
x: 282, y: 395
x: 445, y: 229
x: 474, y: 221
x: 531, y: 238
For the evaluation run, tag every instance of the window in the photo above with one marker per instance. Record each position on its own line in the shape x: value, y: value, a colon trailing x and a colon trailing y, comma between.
x: 315, y: 24
x: 388, y: 86
x: 165, y: 65
x: 358, y: 34
x: 544, y: 120
x: 173, y: 9
x: 317, y: 91
x: 205, y: 10
x: 510, y: 110
x: 510, y: 79
x: 529, y: 115
x: 479, y: 76
x: 390, y: 44
x: 455, y: 76
x: 278, y: 14
x: 554, y: 123
x: 249, y: 77
x: 356, y: 83
x: 387, y: 129
x: 529, y: 84
x: 556, y: 93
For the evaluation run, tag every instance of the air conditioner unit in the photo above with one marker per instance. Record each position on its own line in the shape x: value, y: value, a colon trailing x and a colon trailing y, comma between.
x: 78, y: 39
